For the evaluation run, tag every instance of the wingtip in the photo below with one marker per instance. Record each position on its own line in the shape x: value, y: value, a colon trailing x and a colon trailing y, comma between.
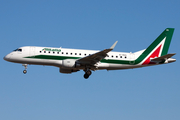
x: 112, y: 47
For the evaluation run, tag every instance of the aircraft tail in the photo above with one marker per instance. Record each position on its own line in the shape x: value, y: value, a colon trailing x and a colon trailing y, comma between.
x: 158, y: 48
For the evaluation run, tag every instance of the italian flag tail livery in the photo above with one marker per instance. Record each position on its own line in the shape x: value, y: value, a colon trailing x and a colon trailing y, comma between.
x: 157, y: 49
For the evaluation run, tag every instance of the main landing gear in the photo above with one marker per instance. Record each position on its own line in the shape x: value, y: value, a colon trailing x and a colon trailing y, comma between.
x: 87, y: 74
x: 25, y: 66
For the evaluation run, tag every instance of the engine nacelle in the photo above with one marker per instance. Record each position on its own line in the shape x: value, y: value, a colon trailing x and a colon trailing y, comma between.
x: 69, y: 63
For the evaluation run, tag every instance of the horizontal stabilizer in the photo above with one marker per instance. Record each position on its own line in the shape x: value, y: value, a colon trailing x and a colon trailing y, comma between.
x: 164, y: 57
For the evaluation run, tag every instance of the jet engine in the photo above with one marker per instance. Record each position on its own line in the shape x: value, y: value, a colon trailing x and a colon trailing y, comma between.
x: 70, y: 63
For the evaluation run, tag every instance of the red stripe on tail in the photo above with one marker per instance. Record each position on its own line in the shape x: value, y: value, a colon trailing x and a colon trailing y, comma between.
x: 153, y: 55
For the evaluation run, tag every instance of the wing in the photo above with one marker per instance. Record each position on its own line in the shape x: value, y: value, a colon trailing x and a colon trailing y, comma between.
x: 96, y: 57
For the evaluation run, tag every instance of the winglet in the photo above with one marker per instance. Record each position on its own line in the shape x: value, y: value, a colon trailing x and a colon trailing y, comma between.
x: 112, y: 47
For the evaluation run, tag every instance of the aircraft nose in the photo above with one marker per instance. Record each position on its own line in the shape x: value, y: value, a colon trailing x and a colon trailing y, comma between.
x: 7, y: 57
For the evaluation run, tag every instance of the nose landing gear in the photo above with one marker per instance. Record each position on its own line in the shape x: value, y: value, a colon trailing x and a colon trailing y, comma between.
x: 25, y: 66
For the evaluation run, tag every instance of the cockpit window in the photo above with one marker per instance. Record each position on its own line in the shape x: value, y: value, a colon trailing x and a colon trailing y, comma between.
x: 20, y: 50
x: 15, y: 50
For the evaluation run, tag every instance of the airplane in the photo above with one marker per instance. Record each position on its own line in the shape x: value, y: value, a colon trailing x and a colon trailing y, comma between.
x: 73, y: 60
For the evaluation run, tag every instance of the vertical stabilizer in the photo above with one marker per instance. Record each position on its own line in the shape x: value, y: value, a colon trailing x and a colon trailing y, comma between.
x: 158, y: 48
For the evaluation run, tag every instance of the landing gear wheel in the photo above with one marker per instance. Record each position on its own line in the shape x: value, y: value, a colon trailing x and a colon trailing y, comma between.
x: 86, y: 76
x: 24, y: 71
x: 89, y: 72
x: 25, y: 66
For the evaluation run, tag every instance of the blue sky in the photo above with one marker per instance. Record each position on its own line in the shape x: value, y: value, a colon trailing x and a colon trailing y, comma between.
x: 45, y: 94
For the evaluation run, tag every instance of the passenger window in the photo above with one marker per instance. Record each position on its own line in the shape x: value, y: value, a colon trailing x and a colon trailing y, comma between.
x: 57, y: 52
x: 62, y: 52
x: 44, y: 51
x: 112, y: 56
x: 53, y: 52
x: 71, y: 53
x: 49, y: 52
x: 75, y: 53
x: 40, y: 51
x: 67, y: 53
x: 79, y: 53
x: 85, y: 54
x: 116, y: 56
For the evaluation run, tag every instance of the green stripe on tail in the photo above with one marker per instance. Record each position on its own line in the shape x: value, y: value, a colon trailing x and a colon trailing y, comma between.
x: 167, y: 35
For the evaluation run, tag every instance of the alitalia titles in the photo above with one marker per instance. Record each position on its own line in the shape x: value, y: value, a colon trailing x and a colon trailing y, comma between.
x: 49, y: 49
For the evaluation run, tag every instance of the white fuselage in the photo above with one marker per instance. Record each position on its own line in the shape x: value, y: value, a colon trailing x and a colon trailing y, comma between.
x: 55, y: 56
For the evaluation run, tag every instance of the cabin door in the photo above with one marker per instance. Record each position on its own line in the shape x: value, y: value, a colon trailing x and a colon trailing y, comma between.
x: 32, y: 51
